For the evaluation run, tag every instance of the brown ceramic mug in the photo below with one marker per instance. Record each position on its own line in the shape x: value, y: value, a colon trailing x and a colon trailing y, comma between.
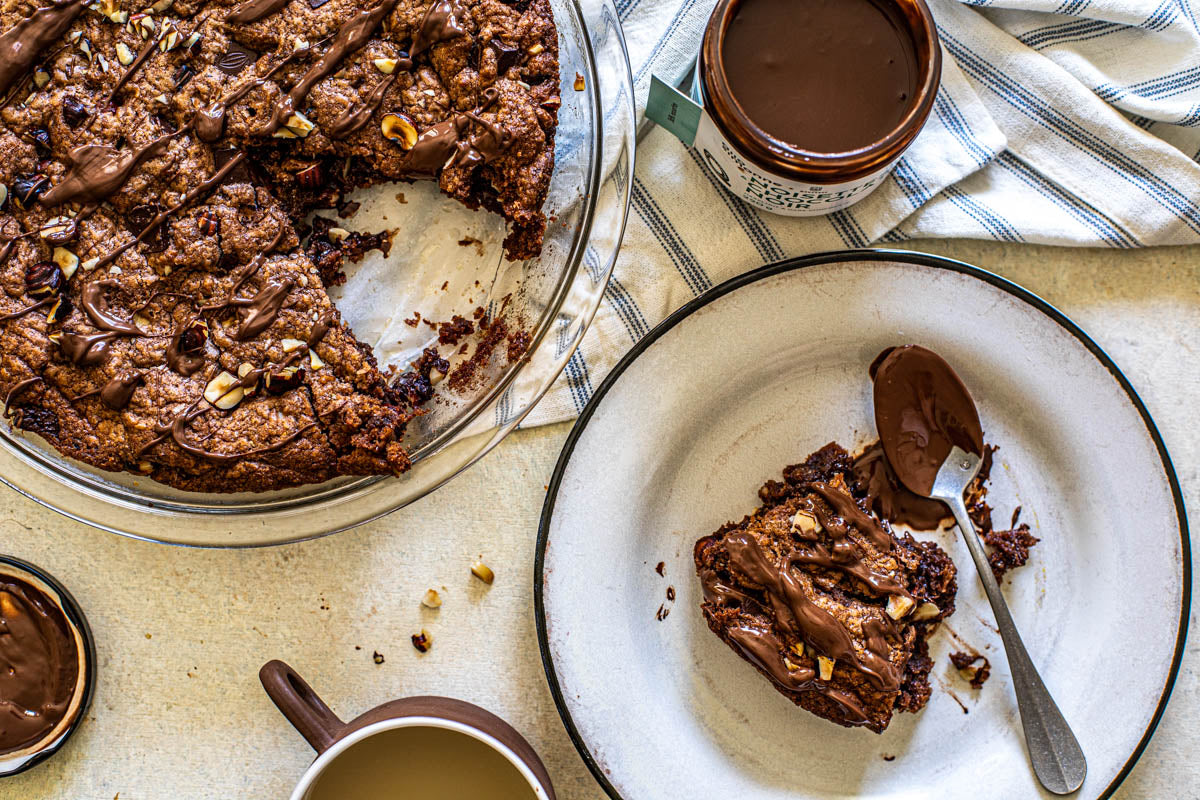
x: 405, y: 745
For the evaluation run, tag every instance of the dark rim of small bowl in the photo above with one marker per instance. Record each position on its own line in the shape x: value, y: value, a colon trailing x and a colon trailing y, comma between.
x: 76, y: 616
x: 818, y: 259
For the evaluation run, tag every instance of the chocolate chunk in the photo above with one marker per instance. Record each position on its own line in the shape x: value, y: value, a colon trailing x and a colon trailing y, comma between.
x: 208, y: 223
x: 193, y: 338
x: 236, y: 59
x: 284, y: 380
x: 41, y: 141
x: 74, y: 112
x: 183, y: 76
x: 221, y: 157
x: 139, y: 218
x: 26, y: 189
x: 506, y: 57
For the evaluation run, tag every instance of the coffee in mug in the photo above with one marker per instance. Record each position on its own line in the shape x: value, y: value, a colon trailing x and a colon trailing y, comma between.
x: 421, y: 762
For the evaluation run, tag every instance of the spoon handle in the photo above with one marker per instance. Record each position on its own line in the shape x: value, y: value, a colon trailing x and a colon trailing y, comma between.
x: 1057, y: 759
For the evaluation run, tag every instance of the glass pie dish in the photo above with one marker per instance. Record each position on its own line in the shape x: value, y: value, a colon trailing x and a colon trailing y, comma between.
x: 427, y: 276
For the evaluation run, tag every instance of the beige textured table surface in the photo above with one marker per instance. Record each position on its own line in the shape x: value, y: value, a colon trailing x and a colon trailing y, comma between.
x: 181, y: 633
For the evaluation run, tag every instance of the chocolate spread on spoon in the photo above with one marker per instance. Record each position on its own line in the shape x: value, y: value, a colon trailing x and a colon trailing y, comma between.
x: 39, y: 664
x: 922, y: 410
x: 826, y: 76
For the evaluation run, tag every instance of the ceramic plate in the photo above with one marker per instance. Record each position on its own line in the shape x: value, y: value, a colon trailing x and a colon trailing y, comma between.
x: 757, y: 374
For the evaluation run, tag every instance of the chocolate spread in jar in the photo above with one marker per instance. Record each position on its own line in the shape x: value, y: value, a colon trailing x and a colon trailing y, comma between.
x: 827, y: 76
x: 39, y: 664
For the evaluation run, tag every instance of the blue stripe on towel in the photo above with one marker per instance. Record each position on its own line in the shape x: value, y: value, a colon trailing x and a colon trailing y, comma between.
x: 686, y: 263
x: 756, y: 230
x: 910, y: 183
x: 991, y: 221
x: 1102, y: 225
x: 1067, y: 32
x: 627, y: 309
x: 953, y: 120
x: 1039, y: 111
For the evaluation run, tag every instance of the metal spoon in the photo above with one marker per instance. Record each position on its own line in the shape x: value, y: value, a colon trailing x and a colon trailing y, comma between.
x: 1057, y: 759
x: 930, y: 431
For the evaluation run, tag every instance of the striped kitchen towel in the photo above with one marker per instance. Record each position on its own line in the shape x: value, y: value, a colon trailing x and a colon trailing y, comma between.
x: 1071, y: 122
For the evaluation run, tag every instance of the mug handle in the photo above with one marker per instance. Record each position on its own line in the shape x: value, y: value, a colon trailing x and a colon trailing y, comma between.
x: 300, y: 704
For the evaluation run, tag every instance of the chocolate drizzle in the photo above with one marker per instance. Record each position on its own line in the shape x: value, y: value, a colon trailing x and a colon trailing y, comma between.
x: 922, y: 410
x: 90, y: 349
x: 254, y: 10
x: 209, y: 122
x: 20, y: 312
x: 181, y: 360
x: 208, y: 185
x: 117, y: 393
x: 39, y: 665
x: 147, y: 49
x: 435, y: 147
x: 358, y: 114
x: 95, y: 305
x: 176, y: 427
x: 352, y: 36
x: 98, y: 171
x: 16, y: 391
x: 889, y: 499
x: 764, y: 649
x: 440, y: 23
x: 446, y: 145
x: 800, y: 614
x: 264, y: 307
x: 23, y: 43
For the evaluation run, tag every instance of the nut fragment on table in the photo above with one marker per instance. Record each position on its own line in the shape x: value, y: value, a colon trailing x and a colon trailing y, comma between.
x: 422, y: 641
x: 483, y: 572
x: 431, y: 599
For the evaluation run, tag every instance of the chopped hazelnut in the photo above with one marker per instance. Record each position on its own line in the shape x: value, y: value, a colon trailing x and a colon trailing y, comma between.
x: 483, y: 572
x: 806, y: 523
x: 224, y: 392
x: 431, y: 599
x: 825, y: 666
x: 925, y: 611
x: 422, y: 641
x: 898, y: 606
x: 400, y: 129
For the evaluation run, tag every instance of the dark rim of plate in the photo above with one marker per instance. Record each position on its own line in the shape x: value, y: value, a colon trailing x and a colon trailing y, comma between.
x: 818, y: 259
x: 75, y: 615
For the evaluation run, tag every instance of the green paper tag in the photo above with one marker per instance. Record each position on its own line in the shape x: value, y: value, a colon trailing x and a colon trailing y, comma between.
x: 673, y: 110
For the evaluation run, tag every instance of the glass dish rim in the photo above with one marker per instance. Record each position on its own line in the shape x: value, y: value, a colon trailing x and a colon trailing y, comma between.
x: 206, y: 507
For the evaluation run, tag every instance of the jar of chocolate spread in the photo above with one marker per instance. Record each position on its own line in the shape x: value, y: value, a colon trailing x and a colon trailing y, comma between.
x: 811, y: 102
x: 47, y: 666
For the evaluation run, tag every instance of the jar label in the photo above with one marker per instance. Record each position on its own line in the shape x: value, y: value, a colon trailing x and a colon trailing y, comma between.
x: 689, y: 122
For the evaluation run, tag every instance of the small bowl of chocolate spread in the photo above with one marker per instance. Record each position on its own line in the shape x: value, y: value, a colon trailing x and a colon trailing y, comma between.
x: 812, y: 102
x: 47, y: 665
